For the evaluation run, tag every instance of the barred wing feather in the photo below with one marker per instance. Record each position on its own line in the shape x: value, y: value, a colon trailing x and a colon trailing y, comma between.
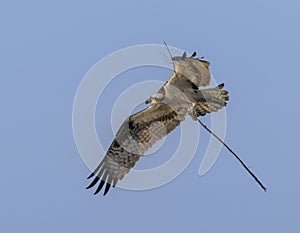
x: 135, y: 136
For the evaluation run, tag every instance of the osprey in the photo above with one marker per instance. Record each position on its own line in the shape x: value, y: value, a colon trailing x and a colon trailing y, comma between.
x: 179, y: 97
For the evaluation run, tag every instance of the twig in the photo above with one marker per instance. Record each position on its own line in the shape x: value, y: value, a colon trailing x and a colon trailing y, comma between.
x: 235, y: 155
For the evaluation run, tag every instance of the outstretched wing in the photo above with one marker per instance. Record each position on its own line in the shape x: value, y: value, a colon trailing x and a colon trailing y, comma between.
x: 135, y: 136
x: 195, y: 69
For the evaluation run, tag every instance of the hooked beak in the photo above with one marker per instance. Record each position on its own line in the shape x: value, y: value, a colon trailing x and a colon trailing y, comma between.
x: 148, y: 101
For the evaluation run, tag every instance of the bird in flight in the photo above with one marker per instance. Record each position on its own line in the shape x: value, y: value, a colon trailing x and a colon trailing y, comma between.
x: 178, y: 98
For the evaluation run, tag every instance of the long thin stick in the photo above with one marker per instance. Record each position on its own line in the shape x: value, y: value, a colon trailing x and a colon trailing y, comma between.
x: 235, y: 155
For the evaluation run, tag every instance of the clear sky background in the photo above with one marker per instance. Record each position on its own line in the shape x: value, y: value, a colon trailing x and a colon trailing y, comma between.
x: 46, y: 48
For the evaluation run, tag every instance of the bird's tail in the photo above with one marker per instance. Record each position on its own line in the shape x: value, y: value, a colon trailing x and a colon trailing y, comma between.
x: 213, y: 100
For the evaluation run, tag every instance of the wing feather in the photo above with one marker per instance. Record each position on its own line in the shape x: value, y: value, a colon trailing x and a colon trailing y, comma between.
x: 196, y: 70
x: 135, y: 136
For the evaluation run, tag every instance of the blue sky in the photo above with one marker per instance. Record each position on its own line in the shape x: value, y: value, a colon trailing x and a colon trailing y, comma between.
x: 46, y: 49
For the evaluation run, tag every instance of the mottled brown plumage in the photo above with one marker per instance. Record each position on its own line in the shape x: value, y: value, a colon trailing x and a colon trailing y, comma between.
x: 178, y: 97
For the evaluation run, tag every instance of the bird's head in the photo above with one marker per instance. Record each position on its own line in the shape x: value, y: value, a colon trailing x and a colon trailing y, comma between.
x: 149, y: 100
x: 157, y: 97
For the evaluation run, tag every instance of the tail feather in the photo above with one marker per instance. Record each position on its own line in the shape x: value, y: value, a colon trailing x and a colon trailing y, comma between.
x: 214, y: 99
